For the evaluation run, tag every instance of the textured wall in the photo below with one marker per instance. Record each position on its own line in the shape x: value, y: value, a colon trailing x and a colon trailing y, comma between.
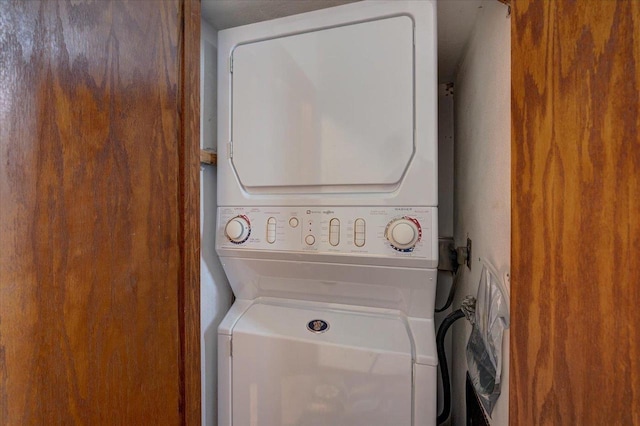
x: 482, y: 173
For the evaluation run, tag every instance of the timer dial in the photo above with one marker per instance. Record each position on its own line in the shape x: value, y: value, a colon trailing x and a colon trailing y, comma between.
x: 238, y: 229
x: 404, y: 233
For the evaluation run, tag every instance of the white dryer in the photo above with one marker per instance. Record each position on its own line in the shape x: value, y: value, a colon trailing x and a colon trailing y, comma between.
x: 327, y: 217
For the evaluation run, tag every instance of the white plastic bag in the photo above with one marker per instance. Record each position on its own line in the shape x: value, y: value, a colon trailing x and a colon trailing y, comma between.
x: 484, y: 349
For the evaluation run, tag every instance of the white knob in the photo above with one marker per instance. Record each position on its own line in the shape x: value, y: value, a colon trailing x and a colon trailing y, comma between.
x: 237, y: 229
x: 403, y: 233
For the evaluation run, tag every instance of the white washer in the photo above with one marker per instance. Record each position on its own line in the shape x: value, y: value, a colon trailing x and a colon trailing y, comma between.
x: 327, y: 217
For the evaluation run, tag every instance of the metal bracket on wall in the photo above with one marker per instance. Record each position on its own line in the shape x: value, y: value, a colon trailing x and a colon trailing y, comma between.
x: 451, y: 257
x: 463, y: 254
x: 447, y: 259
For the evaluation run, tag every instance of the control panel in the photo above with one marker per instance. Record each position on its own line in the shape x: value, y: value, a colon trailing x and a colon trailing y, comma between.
x: 368, y: 231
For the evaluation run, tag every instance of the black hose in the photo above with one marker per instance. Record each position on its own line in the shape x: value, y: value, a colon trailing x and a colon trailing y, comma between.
x: 452, y: 293
x: 442, y: 360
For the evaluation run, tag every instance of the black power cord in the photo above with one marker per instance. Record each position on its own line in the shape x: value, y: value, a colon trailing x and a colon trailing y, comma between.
x: 452, y: 292
x: 467, y: 310
x: 442, y: 360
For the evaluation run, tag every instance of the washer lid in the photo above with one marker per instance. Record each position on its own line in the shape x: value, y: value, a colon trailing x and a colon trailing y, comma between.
x: 358, y: 330
x: 357, y: 373
x: 326, y: 108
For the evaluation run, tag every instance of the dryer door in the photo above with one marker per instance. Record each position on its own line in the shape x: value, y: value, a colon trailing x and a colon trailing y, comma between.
x: 355, y: 373
x: 328, y: 110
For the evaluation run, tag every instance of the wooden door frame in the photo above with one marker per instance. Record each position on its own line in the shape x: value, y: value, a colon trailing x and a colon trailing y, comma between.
x: 189, y: 202
x: 575, y: 340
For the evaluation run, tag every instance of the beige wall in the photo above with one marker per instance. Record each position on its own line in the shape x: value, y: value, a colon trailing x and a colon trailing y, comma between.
x: 482, y: 188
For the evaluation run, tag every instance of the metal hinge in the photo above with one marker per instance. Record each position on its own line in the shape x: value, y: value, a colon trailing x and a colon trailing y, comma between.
x: 230, y: 150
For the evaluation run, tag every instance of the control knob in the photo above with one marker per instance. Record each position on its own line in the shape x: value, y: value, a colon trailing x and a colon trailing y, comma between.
x: 403, y: 233
x: 238, y: 229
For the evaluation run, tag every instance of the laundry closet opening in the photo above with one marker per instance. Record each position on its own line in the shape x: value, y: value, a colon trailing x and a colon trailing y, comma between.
x: 473, y: 175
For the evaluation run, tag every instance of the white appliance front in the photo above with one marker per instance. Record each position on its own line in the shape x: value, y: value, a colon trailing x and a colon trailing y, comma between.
x: 327, y: 195
x: 341, y: 376
x: 319, y: 121
x: 389, y: 236
x: 295, y: 363
x: 335, y: 107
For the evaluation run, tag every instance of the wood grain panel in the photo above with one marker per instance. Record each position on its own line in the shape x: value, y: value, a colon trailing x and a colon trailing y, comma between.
x: 96, y: 262
x: 190, y: 212
x: 575, y: 334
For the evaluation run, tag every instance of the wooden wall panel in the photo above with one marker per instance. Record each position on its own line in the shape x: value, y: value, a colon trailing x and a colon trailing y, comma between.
x: 190, y: 213
x: 97, y: 247
x: 575, y: 333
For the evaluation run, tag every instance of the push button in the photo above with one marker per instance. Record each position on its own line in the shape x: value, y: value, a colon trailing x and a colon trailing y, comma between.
x: 359, y: 232
x: 334, y: 232
x: 271, y: 230
x: 310, y: 240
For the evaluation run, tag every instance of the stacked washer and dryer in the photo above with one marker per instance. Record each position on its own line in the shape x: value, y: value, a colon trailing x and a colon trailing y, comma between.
x: 327, y: 217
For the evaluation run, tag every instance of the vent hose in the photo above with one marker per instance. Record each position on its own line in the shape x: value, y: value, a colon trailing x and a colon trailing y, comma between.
x: 467, y: 310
